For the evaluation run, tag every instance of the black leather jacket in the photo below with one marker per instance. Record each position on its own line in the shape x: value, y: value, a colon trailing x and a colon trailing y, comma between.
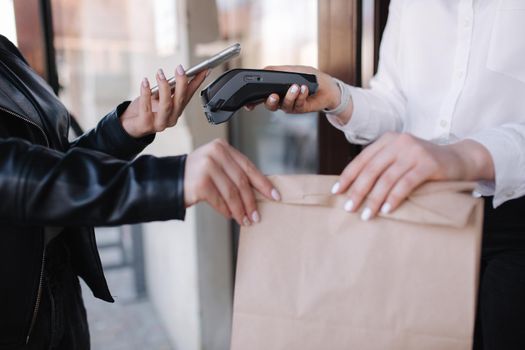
x: 46, y: 181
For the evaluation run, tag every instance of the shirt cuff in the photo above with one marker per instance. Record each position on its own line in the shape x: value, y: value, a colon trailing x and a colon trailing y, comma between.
x: 357, y: 130
x: 507, y: 156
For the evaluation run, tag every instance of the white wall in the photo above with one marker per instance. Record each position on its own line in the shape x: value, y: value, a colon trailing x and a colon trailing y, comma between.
x: 189, y: 264
x: 170, y: 253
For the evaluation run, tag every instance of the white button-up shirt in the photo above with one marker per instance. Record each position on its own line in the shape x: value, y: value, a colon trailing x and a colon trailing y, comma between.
x: 451, y: 70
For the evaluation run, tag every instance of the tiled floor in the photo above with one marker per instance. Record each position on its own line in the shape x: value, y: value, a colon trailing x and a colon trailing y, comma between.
x: 129, y: 323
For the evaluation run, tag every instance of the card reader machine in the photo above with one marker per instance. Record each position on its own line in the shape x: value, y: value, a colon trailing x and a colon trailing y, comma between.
x: 239, y: 87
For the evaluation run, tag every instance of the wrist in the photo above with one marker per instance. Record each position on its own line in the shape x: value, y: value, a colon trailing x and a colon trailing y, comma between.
x: 343, y: 98
x: 131, y: 123
x: 476, y: 161
x: 334, y: 96
x: 129, y: 128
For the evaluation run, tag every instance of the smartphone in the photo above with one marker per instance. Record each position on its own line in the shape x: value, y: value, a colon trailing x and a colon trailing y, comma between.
x: 223, y: 56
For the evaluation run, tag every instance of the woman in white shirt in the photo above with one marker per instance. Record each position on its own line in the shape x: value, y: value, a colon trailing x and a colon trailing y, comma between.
x: 447, y: 103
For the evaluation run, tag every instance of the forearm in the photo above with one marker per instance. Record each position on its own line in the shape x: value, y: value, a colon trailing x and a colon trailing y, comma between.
x: 40, y: 186
x: 110, y: 137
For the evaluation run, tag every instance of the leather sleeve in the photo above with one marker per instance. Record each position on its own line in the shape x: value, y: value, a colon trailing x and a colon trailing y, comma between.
x: 83, y: 187
x: 110, y: 137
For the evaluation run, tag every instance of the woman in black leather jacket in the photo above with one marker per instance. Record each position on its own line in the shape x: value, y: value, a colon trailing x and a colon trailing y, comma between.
x: 53, y: 192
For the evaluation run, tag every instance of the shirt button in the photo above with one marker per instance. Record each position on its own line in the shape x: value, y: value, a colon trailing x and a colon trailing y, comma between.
x: 510, y: 194
x: 466, y: 23
x: 443, y: 123
x: 460, y: 74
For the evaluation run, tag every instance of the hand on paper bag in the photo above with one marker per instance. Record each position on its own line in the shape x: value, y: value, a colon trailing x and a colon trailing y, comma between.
x: 385, y: 173
x: 220, y: 175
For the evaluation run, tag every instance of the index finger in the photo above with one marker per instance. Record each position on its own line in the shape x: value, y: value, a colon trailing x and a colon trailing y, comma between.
x: 145, y: 98
x: 355, y: 167
x: 272, y: 102
x: 257, y: 179
x: 179, y: 97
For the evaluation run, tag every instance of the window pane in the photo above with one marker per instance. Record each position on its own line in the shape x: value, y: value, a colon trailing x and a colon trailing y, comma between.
x: 103, y: 50
x: 274, y: 32
x: 7, y: 20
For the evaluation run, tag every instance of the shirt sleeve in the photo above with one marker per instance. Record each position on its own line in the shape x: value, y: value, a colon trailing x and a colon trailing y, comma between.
x: 43, y: 187
x: 110, y: 137
x: 505, y: 144
x: 382, y: 107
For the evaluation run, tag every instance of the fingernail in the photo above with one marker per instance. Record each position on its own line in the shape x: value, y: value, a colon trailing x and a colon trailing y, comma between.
x: 366, y: 214
x: 294, y: 89
x: 385, y: 209
x: 161, y: 74
x: 208, y: 73
x: 336, y: 187
x: 256, y: 217
x: 145, y: 83
x: 246, y: 221
x: 349, y: 206
x: 272, y: 99
x: 476, y: 194
x: 276, y: 195
x: 180, y: 70
x: 303, y: 89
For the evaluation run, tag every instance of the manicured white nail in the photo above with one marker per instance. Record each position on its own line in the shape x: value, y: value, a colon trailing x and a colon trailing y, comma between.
x: 366, y: 214
x: 180, y: 70
x: 161, y: 74
x: 385, y: 209
x: 256, y: 217
x: 476, y: 194
x: 145, y: 83
x: 294, y: 89
x: 276, y: 195
x: 272, y: 99
x: 349, y: 206
x: 336, y: 187
x: 246, y: 221
x: 303, y: 89
x: 208, y: 73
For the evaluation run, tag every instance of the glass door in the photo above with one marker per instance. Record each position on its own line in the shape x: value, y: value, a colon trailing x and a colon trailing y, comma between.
x: 273, y: 32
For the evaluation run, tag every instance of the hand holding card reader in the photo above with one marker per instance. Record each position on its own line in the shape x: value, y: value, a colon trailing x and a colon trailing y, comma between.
x: 239, y: 87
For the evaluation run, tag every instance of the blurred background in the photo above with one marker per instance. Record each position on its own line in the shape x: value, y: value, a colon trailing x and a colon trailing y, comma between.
x: 174, y: 281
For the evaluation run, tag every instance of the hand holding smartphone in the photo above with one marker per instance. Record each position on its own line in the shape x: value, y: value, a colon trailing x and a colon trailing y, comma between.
x: 221, y: 57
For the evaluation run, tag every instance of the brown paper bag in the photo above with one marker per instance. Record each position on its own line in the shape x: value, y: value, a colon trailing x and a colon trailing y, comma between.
x: 311, y: 276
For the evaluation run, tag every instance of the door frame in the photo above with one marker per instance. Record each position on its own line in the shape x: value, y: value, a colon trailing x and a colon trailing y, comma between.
x: 340, y: 48
x: 34, y: 30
